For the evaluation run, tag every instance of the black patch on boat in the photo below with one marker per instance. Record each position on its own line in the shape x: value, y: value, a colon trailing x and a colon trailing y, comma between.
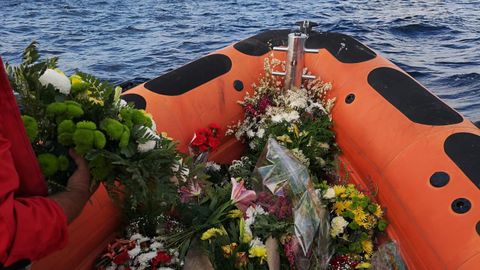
x: 478, y: 227
x: 439, y: 179
x: 18, y: 265
x: 262, y: 43
x: 190, y: 76
x: 461, y: 205
x: 350, y: 98
x: 138, y: 100
x: 344, y: 48
x: 238, y: 85
x: 411, y: 98
x: 464, y: 150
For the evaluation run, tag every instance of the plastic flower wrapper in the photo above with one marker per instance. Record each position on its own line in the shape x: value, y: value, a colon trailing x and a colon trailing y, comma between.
x: 387, y: 257
x: 284, y: 175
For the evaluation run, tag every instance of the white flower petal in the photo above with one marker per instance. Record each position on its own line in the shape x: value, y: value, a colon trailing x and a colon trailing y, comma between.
x: 58, y: 80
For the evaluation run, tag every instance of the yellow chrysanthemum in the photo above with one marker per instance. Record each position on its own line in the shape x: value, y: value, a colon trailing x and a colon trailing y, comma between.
x: 360, y: 217
x: 367, y: 247
x: 258, y: 252
x: 339, y: 190
x: 363, y: 265
x: 212, y: 232
x: 379, y: 212
x: 235, y: 214
x: 296, y: 131
x: 340, y: 206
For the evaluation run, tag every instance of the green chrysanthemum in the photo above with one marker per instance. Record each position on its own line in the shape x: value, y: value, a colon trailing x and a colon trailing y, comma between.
x: 86, y: 137
x: 31, y: 126
x: 48, y: 163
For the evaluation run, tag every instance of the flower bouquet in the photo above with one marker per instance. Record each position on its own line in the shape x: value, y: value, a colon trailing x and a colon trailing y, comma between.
x: 120, y: 143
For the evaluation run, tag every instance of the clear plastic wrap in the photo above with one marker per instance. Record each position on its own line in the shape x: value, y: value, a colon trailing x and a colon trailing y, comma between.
x: 284, y: 175
x: 388, y: 257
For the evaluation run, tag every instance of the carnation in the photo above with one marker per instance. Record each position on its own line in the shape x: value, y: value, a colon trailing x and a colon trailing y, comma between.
x: 329, y: 194
x: 338, y: 226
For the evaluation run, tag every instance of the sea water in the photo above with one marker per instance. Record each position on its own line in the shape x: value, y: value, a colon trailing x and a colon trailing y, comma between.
x: 437, y: 42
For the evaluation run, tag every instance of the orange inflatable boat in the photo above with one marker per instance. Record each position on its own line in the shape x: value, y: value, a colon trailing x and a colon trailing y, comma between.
x: 423, y: 156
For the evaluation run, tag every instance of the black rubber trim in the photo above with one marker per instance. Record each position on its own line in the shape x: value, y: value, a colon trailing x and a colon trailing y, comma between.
x: 464, y: 150
x: 411, y: 98
x: 261, y: 44
x: 190, y: 76
x: 139, y: 101
x: 439, y: 179
x: 344, y: 48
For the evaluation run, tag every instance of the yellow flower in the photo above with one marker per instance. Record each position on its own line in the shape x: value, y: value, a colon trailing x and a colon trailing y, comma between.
x: 367, y: 247
x: 235, y: 214
x: 360, y: 217
x: 339, y: 189
x: 284, y: 138
x: 363, y: 265
x: 341, y: 206
x: 259, y: 252
x: 379, y: 212
x: 296, y: 131
x: 228, y: 249
x: 212, y: 232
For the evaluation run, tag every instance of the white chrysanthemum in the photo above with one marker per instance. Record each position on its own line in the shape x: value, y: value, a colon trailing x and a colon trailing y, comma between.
x: 145, y: 258
x: 150, y: 144
x: 57, y: 79
x: 260, y: 133
x: 329, y: 194
x: 252, y: 145
x: 338, y: 226
x: 156, y: 245
x: 146, y: 146
x: 136, y: 237
x: 291, y: 116
x: 277, y: 118
x: 250, y: 133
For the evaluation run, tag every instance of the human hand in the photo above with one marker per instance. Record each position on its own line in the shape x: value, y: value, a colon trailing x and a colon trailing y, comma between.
x: 78, y: 189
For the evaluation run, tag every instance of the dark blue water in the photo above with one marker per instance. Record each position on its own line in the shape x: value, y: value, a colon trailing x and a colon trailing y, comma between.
x: 438, y: 42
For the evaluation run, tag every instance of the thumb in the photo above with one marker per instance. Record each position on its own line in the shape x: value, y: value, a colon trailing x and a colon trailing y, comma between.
x: 79, y: 160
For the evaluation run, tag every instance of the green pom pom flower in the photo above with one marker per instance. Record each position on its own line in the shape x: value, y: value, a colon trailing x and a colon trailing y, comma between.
x: 116, y: 131
x: 48, y: 163
x: 31, y: 126
x: 112, y: 127
x: 64, y: 110
x: 65, y: 132
x: 63, y: 163
x: 86, y: 137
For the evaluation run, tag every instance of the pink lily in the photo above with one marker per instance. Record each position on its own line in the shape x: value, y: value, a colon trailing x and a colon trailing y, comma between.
x: 191, y: 190
x: 241, y: 196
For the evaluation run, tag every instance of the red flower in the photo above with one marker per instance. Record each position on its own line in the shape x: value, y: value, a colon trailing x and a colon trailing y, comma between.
x: 203, y: 148
x: 199, y: 139
x: 204, y: 131
x: 121, y: 258
x: 215, y: 127
x: 161, y: 258
x: 213, y: 142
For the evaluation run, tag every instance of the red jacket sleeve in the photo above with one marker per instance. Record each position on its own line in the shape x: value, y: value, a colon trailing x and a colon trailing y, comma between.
x: 30, y: 227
